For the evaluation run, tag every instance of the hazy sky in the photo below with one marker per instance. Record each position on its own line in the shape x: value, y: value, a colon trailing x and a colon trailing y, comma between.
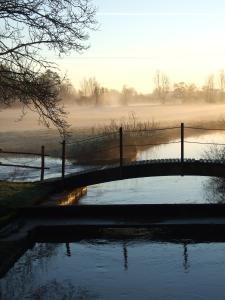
x: 185, y: 39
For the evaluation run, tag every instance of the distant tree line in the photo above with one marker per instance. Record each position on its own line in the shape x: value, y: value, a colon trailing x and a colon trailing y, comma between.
x: 91, y: 92
x: 211, y: 92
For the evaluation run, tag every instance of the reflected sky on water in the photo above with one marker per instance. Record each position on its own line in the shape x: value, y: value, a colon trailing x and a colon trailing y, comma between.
x: 101, y: 269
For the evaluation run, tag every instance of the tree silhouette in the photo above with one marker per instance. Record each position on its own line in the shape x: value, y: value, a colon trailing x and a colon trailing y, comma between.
x: 30, y: 28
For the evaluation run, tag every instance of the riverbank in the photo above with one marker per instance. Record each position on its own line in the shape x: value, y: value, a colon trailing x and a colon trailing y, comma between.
x: 14, y: 195
x: 137, y: 136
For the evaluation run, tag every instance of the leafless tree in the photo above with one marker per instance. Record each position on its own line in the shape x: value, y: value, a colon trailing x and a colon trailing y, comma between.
x: 91, y: 88
x: 30, y: 28
x: 209, y: 89
x: 185, y: 91
x: 127, y: 94
x: 221, y: 82
x: 88, y: 86
x: 161, y: 81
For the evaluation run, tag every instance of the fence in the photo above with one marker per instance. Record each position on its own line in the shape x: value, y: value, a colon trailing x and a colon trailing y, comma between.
x: 121, y: 141
x: 41, y: 154
x: 116, y: 145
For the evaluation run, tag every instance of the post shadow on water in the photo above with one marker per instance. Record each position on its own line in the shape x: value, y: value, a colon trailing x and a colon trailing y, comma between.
x: 22, y: 279
x: 68, y: 251
x: 186, y: 264
x: 125, y: 256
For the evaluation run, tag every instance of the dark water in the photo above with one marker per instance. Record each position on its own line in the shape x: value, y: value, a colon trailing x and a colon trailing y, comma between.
x: 100, y: 269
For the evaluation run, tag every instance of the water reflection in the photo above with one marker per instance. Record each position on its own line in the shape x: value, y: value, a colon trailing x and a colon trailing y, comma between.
x: 21, y: 277
x: 186, y: 264
x: 60, y: 290
x: 159, y: 269
x: 214, y: 189
x: 125, y: 256
x: 170, y: 189
x: 32, y: 277
x: 68, y: 252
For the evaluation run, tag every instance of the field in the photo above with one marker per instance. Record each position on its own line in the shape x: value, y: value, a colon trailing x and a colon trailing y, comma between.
x: 28, y: 135
x: 87, y: 117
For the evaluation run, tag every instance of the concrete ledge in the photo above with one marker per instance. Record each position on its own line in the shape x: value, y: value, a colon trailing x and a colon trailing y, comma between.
x: 137, y: 211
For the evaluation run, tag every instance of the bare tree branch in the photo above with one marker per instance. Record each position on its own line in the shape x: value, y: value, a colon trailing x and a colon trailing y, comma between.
x: 27, y: 28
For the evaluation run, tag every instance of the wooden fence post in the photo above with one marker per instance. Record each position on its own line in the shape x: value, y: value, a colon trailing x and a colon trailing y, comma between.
x: 121, y: 150
x: 63, y: 157
x: 182, y: 142
x: 42, y: 162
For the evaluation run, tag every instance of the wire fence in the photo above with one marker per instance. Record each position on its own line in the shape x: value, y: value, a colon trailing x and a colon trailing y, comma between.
x: 16, y: 163
x: 206, y: 129
x: 109, y: 147
x: 118, y: 147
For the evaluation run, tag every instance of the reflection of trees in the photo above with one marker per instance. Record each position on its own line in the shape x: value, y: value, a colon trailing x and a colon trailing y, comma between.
x: 61, y: 291
x: 214, y: 190
x: 22, y: 275
x: 24, y: 280
x: 215, y: 187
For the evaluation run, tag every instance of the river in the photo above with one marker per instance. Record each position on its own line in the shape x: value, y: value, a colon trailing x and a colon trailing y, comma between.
x: 174, y: 189
x: 133, y: 268
x: 102, y: 269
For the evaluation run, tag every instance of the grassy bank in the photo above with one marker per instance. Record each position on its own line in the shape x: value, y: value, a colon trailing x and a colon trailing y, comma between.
x: 13, y: 194
x: 105, y: 150
x: 136, y: 137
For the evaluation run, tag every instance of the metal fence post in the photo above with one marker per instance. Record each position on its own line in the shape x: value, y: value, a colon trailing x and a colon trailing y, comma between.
x: 63, y: 157
x: 42, y: 162
x: 182, y: 142
x: 121, y: 150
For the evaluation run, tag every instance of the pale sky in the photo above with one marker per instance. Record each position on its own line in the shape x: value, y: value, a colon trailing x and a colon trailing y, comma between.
x: 184, y: 39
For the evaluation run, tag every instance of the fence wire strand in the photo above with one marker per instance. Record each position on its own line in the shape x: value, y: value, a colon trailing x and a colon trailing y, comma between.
x: 204, y: 143
x: 207, y: 129
x: 145, y: 145
x: 13, y: 161
x: 92, y: 138
x: 150, y: 130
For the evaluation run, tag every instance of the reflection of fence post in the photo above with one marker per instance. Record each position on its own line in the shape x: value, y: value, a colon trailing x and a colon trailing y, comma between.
x: 42, y: 162
x: 182, y: 142
x: 63, y: 157
x: 121, y: 150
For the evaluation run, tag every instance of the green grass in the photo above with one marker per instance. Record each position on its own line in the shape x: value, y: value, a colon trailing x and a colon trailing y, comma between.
x: 14, y: 194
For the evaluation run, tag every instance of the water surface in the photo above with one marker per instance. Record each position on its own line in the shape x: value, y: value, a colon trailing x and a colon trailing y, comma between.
x: 173, y: 189
x: 102, y: 269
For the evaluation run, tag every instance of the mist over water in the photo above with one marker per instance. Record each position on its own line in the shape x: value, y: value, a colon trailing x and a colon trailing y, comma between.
x: 92, y: 116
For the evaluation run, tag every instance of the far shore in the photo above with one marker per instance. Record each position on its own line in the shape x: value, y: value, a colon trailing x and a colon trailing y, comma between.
x: 83, y: 117
x: 90, y: 121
